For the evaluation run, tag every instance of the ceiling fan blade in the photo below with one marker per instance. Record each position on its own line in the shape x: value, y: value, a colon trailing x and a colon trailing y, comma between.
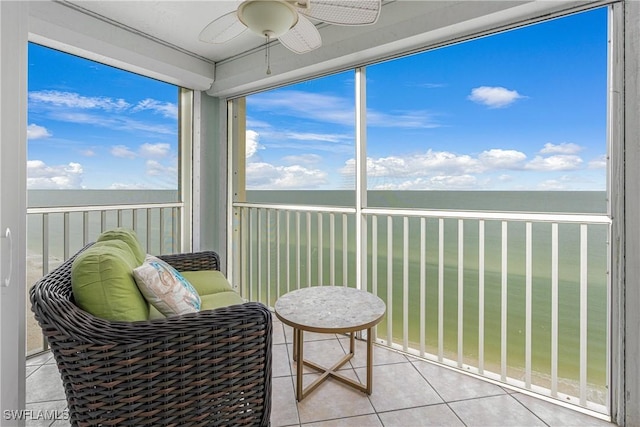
x: 223, y: 29
x: 302, y: 38
x: 341, y: 12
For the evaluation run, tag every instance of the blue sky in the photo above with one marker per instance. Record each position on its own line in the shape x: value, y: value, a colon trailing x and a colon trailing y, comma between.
x: 97, y: 127
x: 521, y: 110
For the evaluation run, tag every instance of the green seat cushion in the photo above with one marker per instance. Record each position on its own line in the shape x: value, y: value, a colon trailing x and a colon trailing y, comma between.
x: 208, y: 302
x: 129, y: 237
x: 207, y: 281
x: 103, y: 285
x: 221, y: 299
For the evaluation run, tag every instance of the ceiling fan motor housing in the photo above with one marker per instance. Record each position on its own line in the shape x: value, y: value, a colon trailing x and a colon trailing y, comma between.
x: 268, y: 18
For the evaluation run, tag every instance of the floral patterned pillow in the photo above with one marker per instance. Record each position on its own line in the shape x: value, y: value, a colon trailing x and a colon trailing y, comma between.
x: 165, y: 288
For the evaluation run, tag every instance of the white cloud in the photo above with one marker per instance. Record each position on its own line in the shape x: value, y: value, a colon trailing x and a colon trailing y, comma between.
x: 307, y: 159
x: 111, y: 122
x: 599, y: 162
x: 75, y: 100
x: 42, y: 176
x: 564, y: 148
x: 494, y: 96
x: 123, y: 186
x: 418, y: 119
x: 306, y: 136
x: 334, y: 109
x: 564, y: 182
x: 439, y: 182
x: 122, y: 151
x: 489, y: 169
x: 430, y: 163
x: 167, y: 109
x: 431, y: 85
x: 159, y: 150
x: 552, y: 185
x: 88, y: 152
x: 314, y: 106
x: 155, y: 168
x: 262, y: 175
x: 560, y: 162
x: 252, y: 138
x: 497, y: 158
x: 37, y: 132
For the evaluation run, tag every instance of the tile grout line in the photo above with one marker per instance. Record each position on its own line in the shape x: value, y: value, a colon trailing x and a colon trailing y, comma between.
x: 438, y: 393
x: 525, y: 407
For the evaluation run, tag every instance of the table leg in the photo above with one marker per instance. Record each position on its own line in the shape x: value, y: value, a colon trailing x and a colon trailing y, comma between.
x: 298, y: 340
x: 295, y: 345
x: 298, y: 354
x: 369, y: 360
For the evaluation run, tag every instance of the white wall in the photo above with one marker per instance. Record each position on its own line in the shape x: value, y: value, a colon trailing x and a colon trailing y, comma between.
x: 13, y: 204
x: 630, y: 337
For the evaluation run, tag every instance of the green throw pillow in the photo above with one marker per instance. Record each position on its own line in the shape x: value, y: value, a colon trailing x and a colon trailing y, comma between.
x: 103, y: 285
x: 207, y: 282
x: 129, y: 237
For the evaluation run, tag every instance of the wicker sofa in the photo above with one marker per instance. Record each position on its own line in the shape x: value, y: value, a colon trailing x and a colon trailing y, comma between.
x: 211, y: 368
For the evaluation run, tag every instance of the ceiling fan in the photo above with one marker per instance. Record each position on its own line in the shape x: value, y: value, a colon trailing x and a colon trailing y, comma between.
x: 288, y: 21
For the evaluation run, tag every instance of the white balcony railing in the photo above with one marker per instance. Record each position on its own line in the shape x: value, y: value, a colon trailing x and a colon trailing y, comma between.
x: 56, y: 233
x: 157, y: 225
x: 520, y: 299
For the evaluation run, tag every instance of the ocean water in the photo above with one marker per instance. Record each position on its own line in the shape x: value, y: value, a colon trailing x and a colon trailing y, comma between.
x: 304, y: 263
x: 314, y: 245
x: 67, y: 198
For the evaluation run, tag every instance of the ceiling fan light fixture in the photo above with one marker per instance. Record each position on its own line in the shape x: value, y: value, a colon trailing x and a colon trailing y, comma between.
x: 268, y: 18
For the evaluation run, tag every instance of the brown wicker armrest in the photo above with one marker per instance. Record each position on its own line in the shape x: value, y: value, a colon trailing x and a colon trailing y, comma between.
x: 195, y: 261
x: 209, y: 368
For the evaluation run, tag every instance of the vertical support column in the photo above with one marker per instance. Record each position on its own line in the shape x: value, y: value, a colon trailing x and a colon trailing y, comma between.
x: 187, y: 126
x: 625, y: 103
x: 236, y: 171
x: 361, y: 177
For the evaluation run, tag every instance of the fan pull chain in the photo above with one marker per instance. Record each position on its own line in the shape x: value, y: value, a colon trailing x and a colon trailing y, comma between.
x: 267, y: 55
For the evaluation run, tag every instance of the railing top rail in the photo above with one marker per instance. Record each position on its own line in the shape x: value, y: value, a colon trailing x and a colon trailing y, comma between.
x: 65, y: 209
x: 299, y: 208
x: 475, y: 215
x: 498, y: 216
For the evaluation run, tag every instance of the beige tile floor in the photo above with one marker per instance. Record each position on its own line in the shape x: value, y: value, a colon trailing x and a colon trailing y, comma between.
x: 407, y: 392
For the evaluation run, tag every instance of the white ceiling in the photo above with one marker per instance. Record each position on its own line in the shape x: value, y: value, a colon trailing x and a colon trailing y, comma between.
x: 238, y: 66
x: 177, y: 23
